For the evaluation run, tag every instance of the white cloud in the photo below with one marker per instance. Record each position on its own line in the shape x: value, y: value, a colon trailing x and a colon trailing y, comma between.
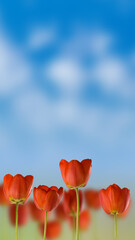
x: 14, y: 69
x: 34, y: 110
x: 41, y: 37
x: 65, y: 72
x: 114, y: 75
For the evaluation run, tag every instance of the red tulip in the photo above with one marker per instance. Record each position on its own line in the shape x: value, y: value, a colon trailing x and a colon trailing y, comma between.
x: 84, y: 220
x: 35, y: 213
x: 70, y: 202
x: 60, y: 212
x: 92, y: 198
x: 74, y: 173
x: 53, y: 229
x: 3, y: 200
x: 115, y: 200
x: 46, y: 198
x: 22, y: 214
x: 17, y: 189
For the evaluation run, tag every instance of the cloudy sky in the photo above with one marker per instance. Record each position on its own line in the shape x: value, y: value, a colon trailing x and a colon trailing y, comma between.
x: 67, y: 88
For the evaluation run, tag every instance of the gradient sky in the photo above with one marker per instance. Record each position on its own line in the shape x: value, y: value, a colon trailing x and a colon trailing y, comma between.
x: 67, y: 88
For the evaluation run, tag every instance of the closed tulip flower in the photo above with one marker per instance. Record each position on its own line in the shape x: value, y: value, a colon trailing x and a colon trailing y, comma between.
x: 76, y: 174
x: 115, y: 200
x: 17, y: 190
x: 47, y: 199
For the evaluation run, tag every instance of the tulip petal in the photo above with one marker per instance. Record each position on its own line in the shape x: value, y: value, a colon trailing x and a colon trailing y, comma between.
x: 87, y: 167
x: 6, y: 183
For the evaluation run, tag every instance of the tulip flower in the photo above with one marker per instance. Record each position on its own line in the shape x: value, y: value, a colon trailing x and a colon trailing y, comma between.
x: 76, y: 174
x: 92, y: 198
x: 17, y: 190
x: 47, y: 199
x: 115, y: 201
x: 3, y: 199
x: 22, y: 214
x: 53, y: 229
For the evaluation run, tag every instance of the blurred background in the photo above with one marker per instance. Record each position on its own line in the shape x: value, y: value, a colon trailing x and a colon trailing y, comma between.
x: 67, y: 90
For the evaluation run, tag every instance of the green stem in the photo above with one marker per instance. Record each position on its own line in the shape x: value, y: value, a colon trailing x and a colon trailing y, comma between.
x: 115, y: 221
x: 16, y: 221
x: 45, y: 226
x: 77, y: 217
x: 73, y: 232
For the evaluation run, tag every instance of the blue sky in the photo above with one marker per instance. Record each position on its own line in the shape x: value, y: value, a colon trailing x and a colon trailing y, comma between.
x: 67, y: 84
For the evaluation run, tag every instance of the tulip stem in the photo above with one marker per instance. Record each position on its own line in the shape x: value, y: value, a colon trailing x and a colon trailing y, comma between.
x: 17, y: 221
x: 45, y: 226
x: 73, y: 236
x: 77, y: 217
x: 115, y: 221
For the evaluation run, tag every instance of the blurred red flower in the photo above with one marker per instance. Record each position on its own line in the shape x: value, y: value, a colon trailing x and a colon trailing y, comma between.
x: 70, y: 202
x: 74, y: 173
x: 46, y: 198
x: 3, y: 199
x: 53, y: 229
x: 60, y: 212
x: 22, y: 214
x: 17, y: 189
x: 92, y: 198
x: 115, y: 200
x: 35, y: 213
x: 84, y: 220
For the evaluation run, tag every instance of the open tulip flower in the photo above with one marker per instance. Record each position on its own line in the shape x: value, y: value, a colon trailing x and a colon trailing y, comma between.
x: 17, y: 190
x: 76, y: 175
x: 47, y: 199
x: 115, y: 200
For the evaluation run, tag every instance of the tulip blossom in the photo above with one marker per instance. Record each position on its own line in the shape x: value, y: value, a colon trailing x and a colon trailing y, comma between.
x: 92, y: 198
x: 53, y: 229
x: 70, y: 202
x: 17, y: 190
x: 22, y: 214
x: 47, y: 199
x: 115, y: 200
x: 3, y: 199
x: 76, y: 174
